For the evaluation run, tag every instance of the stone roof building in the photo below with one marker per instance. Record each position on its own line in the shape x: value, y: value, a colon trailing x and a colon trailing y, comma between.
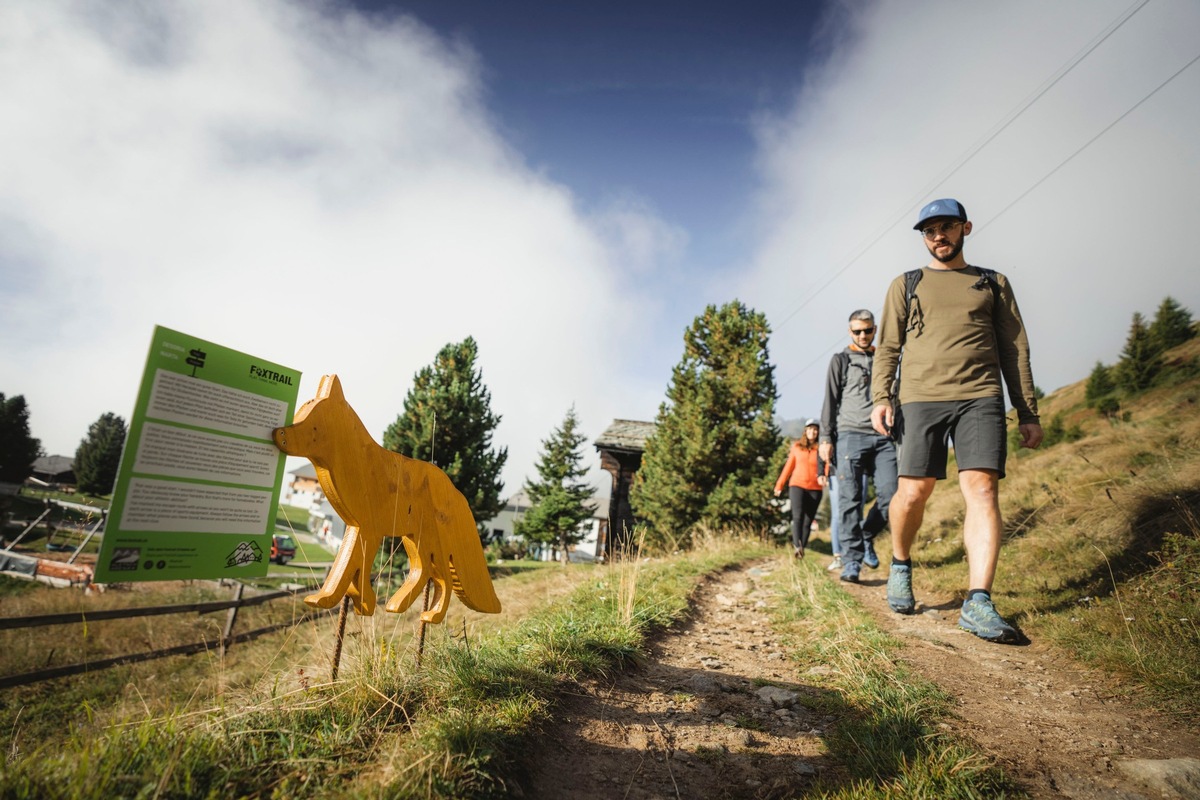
x: 621, y: 447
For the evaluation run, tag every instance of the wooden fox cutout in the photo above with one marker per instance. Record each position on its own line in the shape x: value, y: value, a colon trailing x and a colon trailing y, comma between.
x: 380, y: 493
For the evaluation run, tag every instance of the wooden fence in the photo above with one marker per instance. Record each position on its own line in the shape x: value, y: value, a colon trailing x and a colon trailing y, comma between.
x: 227, y: 636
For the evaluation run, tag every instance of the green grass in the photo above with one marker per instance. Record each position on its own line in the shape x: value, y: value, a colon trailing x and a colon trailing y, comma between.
x: 291, y: 517
x: 1101, y: 551
x: 886, y: 735
x: 455, y: 728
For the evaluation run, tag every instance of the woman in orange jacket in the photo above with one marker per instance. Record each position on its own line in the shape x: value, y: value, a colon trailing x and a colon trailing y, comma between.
x: 801, y: 475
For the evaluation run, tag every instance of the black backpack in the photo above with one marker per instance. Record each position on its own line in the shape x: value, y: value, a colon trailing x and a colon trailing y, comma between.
x: 915, y: 322
x: 913, y: 277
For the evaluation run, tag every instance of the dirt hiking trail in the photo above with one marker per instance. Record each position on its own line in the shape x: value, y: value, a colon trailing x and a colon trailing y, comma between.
x: 692, y: 722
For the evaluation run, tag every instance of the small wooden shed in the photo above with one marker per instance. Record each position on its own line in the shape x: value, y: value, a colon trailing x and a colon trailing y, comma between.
x: 621, y: 447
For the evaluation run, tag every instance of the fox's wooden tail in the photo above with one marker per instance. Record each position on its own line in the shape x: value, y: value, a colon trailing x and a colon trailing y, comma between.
x: 468, y: 568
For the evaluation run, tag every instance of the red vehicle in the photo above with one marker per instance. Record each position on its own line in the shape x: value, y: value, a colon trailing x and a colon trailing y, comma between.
x: 283, y: 548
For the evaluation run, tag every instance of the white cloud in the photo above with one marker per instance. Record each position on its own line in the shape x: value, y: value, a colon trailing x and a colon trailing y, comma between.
x: 309, y: 186
x: 909, y: 89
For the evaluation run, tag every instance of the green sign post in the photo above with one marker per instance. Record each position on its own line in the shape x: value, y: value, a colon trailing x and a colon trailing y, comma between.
x: 199, y: 480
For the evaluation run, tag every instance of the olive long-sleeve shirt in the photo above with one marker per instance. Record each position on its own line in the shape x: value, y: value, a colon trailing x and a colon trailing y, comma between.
x: 959, y: 341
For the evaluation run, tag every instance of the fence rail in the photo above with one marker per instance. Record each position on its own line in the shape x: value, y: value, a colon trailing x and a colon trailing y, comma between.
x: 10, y: 623
x: 227, y: 638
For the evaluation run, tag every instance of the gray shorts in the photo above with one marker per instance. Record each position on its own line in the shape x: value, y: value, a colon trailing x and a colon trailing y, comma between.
x: 924, y: 431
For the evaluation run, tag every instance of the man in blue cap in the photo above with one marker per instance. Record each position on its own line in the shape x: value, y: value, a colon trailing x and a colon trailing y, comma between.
x: 960, y: 331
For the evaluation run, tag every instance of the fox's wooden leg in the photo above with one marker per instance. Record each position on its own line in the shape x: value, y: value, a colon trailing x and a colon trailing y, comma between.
x: 350, y: 574
x: 414, y: 584
x: 440, y: 601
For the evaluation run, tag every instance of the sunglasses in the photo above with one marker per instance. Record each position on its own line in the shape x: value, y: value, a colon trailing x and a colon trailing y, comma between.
x: 861, y: 331
x: 945, y: 228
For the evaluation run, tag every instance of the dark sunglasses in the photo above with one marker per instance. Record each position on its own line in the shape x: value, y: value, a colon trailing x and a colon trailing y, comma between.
x: 861, y: 331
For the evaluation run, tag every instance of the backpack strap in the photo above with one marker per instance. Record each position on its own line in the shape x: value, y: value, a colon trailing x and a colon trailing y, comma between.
x: 917, y: 320
x: 914, y: 320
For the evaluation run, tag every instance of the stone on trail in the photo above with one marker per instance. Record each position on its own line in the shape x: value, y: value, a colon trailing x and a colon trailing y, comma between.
x: 778, y: 697
x: 1170, y: 777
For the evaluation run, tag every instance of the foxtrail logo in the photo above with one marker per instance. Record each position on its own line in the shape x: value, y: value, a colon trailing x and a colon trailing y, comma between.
x: 263, y: 374
x: 245, y: 553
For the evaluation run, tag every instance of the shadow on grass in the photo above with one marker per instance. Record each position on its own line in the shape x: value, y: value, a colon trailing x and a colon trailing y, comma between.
x: 1155, y: 517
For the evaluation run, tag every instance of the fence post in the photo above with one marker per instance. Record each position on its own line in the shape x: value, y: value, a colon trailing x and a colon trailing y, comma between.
x: 231, y: 617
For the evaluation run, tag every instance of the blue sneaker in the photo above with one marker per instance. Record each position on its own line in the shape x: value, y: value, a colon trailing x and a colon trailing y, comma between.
x: 870, y: 559
x: 979, y: 617
x: 850, y: 572
x: 899, y: 590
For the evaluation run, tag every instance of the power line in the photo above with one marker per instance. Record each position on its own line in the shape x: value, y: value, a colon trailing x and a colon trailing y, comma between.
x: 1061, y: 164
x: 833, y: 348
x: 1089, y: 142
x: 969, y: 154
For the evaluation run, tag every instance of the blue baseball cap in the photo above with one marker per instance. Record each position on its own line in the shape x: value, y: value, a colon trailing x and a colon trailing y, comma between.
x: 946, y: 207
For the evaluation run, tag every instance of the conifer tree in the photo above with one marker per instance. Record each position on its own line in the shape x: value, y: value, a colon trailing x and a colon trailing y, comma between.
x: 1099, y: 385
x: 709, y: 461
x: 1172, y: 325
x: 559, y: 496
x: 99, y: 455
x: 448, y: 420
x: 1141, y: 360
x: 18, y: 450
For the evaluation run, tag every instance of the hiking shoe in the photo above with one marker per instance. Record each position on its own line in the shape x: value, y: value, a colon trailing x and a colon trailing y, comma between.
x: 870, y: 559
x: 850, y: 572
x: 979, y: 617
x: 835, y: 565
x: 899, y: 589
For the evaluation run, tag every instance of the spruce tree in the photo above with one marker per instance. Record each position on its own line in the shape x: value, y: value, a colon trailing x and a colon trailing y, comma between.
x: 709, y: 461
x: 448, y: 420
x: 1099, y: 385
x: 99, y: 455
x: 559, y: 496
x: 1172, y: 325
x: 1141, y: 360
x: 18, y: 450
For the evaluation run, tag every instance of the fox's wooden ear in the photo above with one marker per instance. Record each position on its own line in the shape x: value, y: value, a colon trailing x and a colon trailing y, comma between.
x: 330, y: 386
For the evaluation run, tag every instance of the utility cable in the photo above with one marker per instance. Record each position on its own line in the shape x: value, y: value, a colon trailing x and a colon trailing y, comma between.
x: 830, y: 350
x: 1061, y: 164
x: 974, y: 150
x: 1088, y: 144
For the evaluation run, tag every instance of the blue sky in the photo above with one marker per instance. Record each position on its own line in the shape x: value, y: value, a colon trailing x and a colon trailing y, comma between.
x: 346, y: 188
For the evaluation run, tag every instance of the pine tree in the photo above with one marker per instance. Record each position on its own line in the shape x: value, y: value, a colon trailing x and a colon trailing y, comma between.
x: 448, y: 421
x: 99, y: 455
x: 559, y: 497
x: 1099, y: 385
x: 1141, y: 360
x: 18, y: 450
x: 709, y: 461
x: 1172, y: 325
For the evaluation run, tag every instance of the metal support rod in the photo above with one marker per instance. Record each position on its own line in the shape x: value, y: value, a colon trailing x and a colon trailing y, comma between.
x: 231, y: 617
x: 88, y: 538
x: 341, y: 633
x: 422, y: 626
x: 32, y: 525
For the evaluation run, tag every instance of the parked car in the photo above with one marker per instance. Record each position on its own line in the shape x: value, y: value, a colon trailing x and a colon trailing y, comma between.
x: 283, y: 548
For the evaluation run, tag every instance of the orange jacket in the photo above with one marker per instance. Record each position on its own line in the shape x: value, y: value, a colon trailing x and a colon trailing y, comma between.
x: 801, y: 468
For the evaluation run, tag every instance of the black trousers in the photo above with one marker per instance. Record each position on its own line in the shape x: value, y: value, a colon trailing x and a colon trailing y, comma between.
x: 805, y: 503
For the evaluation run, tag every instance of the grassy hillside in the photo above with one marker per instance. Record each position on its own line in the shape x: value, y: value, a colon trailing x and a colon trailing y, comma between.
x: 1101, y: 555
x: 1102, y: 537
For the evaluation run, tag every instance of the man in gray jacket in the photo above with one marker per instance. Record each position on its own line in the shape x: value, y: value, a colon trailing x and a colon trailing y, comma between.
x: 860, y: 450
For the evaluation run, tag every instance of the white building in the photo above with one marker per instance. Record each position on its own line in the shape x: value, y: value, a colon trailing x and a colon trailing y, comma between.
x: 502, y: 528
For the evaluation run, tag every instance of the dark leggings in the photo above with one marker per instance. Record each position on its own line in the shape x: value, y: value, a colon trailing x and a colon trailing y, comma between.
x: 805, y: 503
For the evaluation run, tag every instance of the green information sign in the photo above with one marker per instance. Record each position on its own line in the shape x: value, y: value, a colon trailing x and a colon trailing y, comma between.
x: 199, y: 480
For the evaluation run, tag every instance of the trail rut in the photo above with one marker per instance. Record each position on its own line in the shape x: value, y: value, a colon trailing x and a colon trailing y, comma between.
x: 718, y: 710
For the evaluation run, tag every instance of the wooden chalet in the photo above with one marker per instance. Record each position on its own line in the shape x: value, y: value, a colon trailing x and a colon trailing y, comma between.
x: 621, y: 447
